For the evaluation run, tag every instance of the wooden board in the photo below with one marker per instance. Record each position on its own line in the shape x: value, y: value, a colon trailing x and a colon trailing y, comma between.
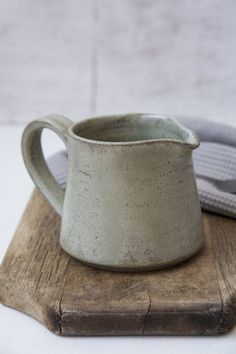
x: 40, y: 279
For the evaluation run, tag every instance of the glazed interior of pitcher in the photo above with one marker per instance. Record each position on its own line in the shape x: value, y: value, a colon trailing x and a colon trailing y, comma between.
x: 134, y: 128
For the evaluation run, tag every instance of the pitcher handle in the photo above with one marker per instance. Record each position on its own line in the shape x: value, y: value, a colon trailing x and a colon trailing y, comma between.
x: 35, y: 161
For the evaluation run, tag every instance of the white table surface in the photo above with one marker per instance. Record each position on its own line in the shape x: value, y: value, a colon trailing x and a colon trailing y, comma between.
x: 19, y: 334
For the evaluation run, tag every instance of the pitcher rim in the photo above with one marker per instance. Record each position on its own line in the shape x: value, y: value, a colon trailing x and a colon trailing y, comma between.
x: 193, y: 140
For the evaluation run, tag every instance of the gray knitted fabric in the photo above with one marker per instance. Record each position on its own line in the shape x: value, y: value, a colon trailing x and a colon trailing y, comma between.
x: 214, y: 161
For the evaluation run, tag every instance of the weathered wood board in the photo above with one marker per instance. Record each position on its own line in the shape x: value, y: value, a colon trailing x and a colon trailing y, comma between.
x: 40, y: 279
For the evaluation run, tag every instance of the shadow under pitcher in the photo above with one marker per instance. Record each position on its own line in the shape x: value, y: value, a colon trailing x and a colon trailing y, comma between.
x: 131, y: 201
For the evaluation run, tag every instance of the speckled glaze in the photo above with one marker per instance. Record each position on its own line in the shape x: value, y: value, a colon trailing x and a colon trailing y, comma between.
x: 131, y: 200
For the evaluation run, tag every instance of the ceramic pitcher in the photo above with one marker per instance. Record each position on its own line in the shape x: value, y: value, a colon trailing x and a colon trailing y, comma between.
x: 131, y: 201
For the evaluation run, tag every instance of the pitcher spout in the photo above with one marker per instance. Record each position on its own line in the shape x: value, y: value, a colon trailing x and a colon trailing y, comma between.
x: 187, y: 136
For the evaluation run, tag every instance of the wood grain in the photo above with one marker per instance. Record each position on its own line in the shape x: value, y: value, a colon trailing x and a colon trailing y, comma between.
x: 40, y: 279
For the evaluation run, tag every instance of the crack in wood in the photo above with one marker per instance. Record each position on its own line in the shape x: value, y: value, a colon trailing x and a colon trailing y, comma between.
x: 59, y: 323
x: 59, y: 316
x: 147, y: 313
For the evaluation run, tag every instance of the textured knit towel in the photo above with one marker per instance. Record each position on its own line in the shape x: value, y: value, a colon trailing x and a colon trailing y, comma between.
x: 214, y: 161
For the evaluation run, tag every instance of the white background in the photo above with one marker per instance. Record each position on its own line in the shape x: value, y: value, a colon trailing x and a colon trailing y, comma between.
x: 81, y: 58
